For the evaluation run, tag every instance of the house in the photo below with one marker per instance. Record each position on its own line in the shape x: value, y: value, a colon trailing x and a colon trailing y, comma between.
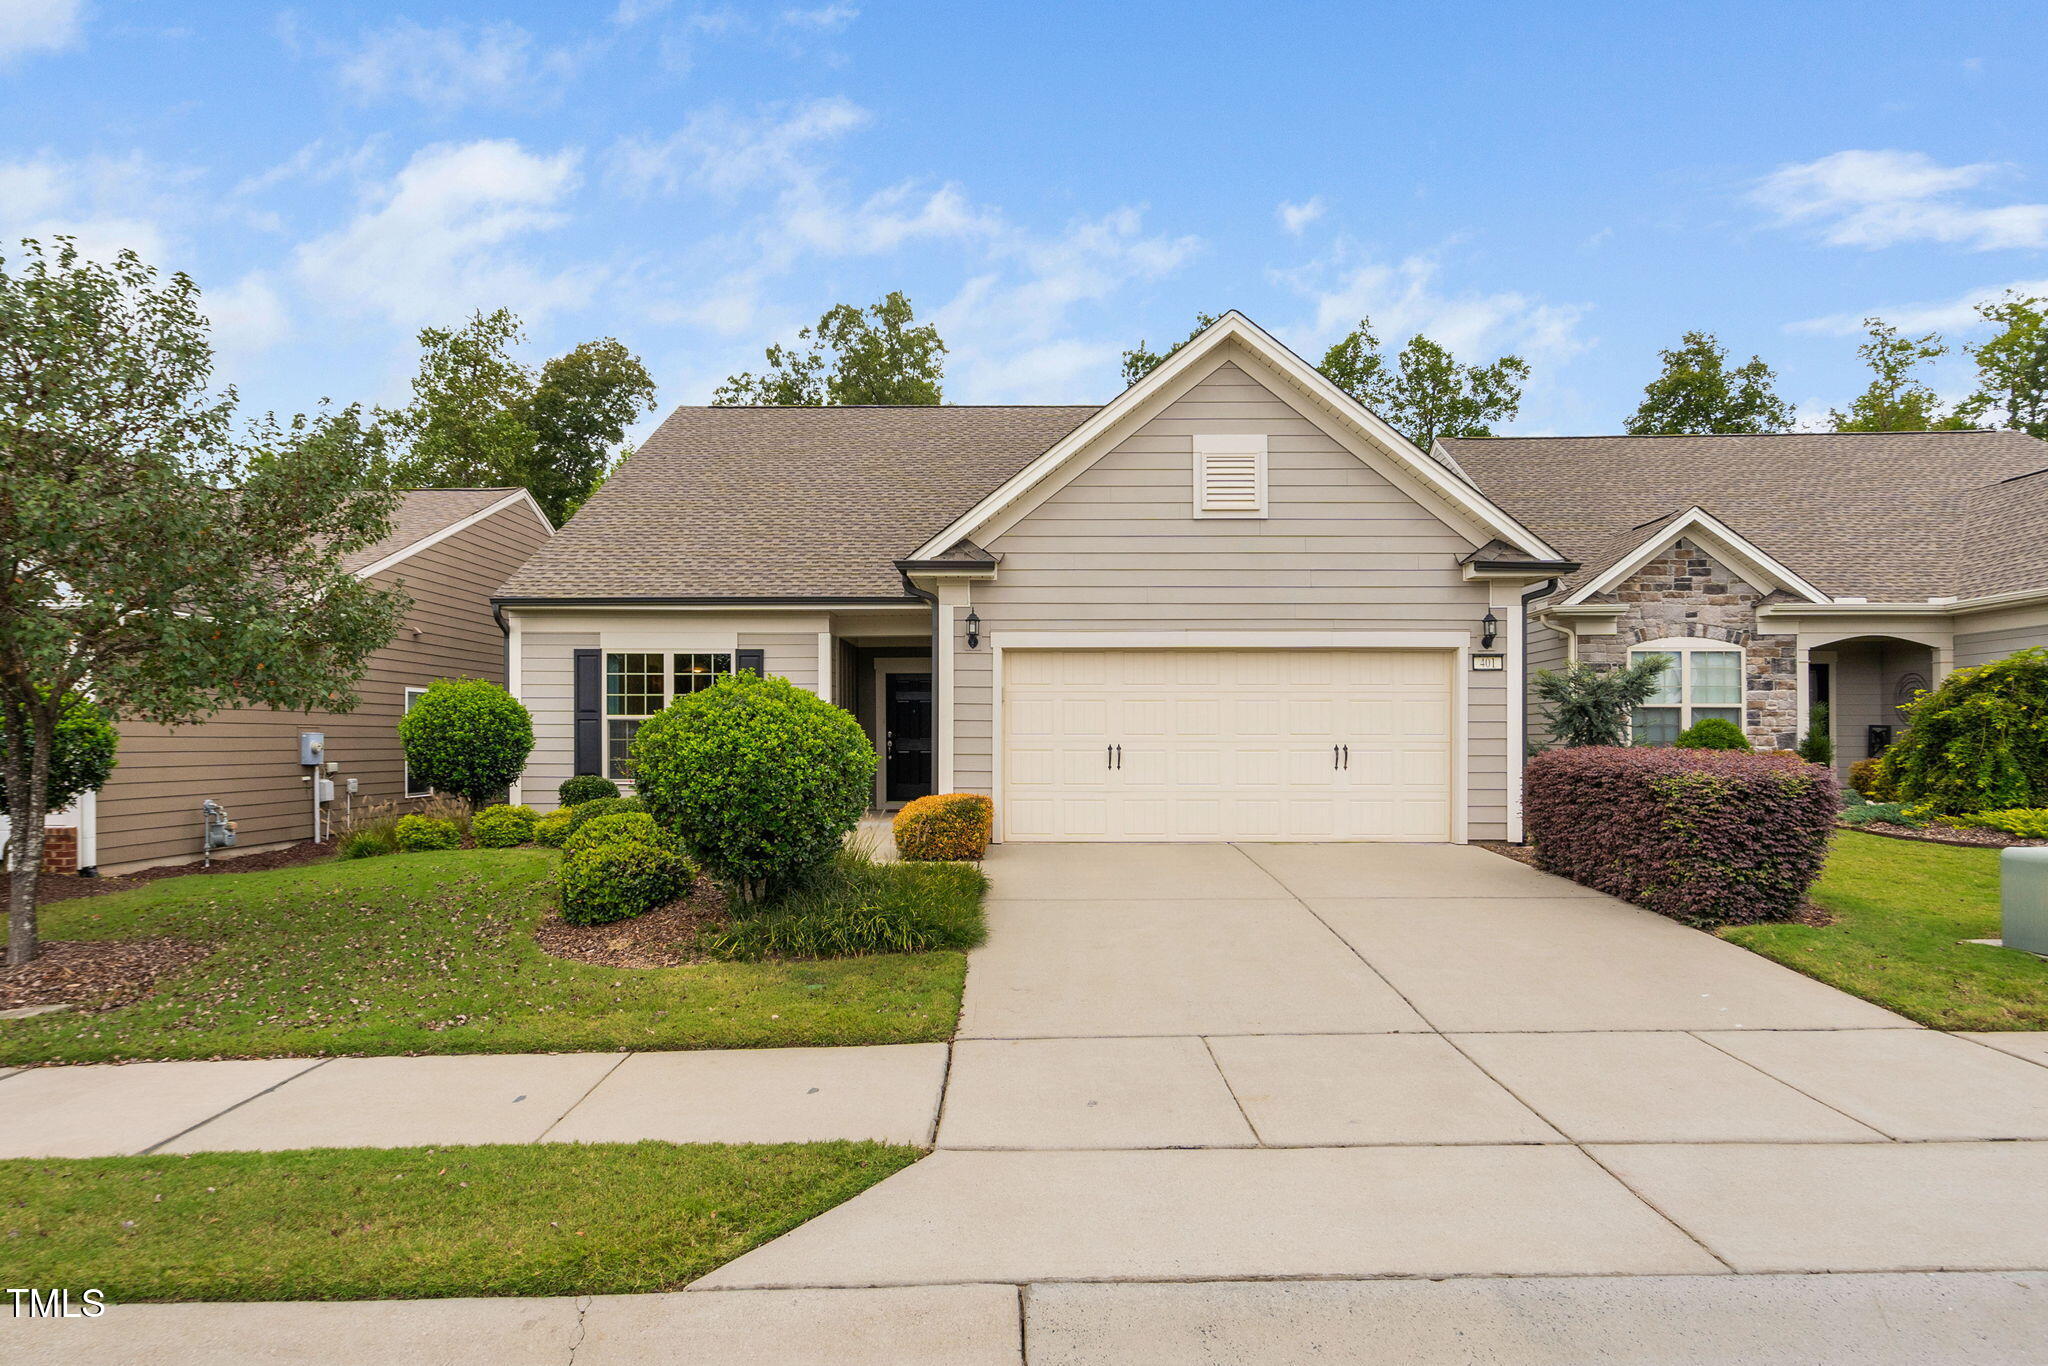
x: 447, y: 550
x: 1854, y: 569
x: 1234, y: 604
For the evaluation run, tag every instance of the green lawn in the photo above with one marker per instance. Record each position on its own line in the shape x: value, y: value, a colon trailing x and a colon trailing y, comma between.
x: 416, y: 1223
x: 1901, y: 909
x: 433, y: 953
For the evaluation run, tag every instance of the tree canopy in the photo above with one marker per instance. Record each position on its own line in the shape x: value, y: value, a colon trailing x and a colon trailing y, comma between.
x: 1698, y: 393
x: 156, y: 560
x: 2012, y: 367
x: 480, y: 418
x: 878, y: 355
x: 1898, y: 400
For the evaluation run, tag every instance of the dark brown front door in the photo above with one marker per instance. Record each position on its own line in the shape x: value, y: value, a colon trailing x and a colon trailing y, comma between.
x: 906, y: 736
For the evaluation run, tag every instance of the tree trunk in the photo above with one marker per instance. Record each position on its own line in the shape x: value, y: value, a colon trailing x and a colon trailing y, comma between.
x: 27, y: 785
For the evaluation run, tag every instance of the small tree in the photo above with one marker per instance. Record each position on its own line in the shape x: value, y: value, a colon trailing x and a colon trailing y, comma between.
x: 1819, y: 745
x: 468, y: 737
x: 151, y: 557
x: 1697, y: 393
x: 2012, y: 367
x: 1898, y: 400
x: 1588, y: 705
x: 879, y: 355
x: 1978, y: 742
x: 761, y: 780
x: 81, y: 762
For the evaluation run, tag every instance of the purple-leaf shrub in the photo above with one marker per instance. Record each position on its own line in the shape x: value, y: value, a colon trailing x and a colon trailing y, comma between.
x: 1709, y: 837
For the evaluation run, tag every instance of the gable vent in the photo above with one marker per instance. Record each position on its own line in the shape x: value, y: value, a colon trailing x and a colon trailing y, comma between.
x: 1230, y: 475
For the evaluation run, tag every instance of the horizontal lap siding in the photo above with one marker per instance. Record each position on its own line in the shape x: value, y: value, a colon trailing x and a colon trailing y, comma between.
x: 547, y: 673
x: 1548, y: 649
x: 786, y: 654
x: 247, y: 758
x: 1981, y: 647
x: 1118, y: 549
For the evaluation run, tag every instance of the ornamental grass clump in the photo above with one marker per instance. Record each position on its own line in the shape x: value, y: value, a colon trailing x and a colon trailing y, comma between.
x: 761, y: 780
x: 1703, y: 836
x: 944, y: 826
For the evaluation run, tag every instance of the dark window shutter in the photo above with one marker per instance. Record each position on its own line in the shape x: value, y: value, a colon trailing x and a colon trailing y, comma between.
x: 751, y: 662
x: 589, y: 711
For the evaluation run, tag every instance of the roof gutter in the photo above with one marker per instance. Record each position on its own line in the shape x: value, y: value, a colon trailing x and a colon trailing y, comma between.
x: 663, y: 601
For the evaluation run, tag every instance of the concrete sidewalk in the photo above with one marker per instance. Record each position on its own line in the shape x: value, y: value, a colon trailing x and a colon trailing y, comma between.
x: 768, y: 1095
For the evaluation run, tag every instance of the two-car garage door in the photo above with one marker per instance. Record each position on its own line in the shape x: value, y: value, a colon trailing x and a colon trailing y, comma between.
x: 1227, y: 744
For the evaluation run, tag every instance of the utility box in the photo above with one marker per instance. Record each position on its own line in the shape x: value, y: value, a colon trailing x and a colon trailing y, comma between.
x: 312, y: 747
x: 2023, y: 897
x: 323, y: 789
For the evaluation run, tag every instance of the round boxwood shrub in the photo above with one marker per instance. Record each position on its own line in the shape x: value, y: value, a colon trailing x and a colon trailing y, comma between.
x: 1712, y: 732
x: 586, y: 787
x: 945, y: 825
x: 611, y: 828
x: 501, y: 827
x: 620, y: 880
x: 364, y: 844
x: 417, y: 833
x: 81, y: 760
x: 468, y: 737
x: 583, y: 813
x: 760, y: 779
x: 552, y: 829
x: 1978, y: 742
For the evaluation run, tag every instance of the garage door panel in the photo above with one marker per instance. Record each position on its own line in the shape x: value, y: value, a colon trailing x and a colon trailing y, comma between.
x: 1220, y: 744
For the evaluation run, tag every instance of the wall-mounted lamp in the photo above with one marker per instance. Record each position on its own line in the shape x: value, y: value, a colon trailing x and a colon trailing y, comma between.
x: 1489, y: 627
x: 973, y: 629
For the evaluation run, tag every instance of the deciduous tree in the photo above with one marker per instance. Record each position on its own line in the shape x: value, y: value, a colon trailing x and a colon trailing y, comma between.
x: 1898, y: 400
x: 878, y: 355
x: 2012, y: 368
x: 1698, y: 393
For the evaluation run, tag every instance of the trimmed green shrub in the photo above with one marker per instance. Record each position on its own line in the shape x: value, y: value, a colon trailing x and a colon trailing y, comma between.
x: 1819, y: 745
x: 81, y: 760
x: 551, y: 830
x: 1978, y: 742
x: 585, y: 787
x: 946, y: 825
x: 2027, y: 823
x: 620, y: 880
x: 635, y: 826
x: 1866, y: 778
x: 467, y: 736
x: 365, y: 844
x: 1885, y: 813
x: 502, y: 827
x: 585, y: 812
x: 1703, y: 836
x: 856, y: 908
x: 1712, y: 732
x: 759, y: 778
x: 418, y: 833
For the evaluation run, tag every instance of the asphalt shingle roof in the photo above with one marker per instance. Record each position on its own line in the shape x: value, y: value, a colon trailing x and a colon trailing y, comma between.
x: 421, y: 513
x: 785, y: 502
x: 1891, y: 516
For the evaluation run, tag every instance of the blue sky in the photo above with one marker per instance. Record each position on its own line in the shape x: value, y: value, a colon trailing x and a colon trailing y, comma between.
x: 1578, y: 182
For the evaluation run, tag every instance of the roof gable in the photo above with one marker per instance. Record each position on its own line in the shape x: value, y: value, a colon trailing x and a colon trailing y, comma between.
x: 426, y: 517
x: 1712, y: 535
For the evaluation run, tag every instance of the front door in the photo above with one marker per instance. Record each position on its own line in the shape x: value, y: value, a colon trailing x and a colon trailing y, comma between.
x: 906, y: 736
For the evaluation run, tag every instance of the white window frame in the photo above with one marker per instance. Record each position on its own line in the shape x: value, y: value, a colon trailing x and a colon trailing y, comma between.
x: 667, y: 675
x: 1234, y: 446
x: 412, y: 695
x: 1681, y: 648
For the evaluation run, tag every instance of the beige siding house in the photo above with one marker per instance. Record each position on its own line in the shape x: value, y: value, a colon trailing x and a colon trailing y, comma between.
x: 1230, y: 604
x: 448, y: 550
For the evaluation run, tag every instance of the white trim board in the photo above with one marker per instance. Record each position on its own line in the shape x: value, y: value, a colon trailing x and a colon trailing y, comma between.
x: 511, y: 499
x: 1235, y: 327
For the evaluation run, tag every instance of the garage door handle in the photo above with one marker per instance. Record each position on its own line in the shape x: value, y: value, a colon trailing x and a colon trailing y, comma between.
x: 1335, y: 762
x: 1347, y: 758
x: 1119, y: 757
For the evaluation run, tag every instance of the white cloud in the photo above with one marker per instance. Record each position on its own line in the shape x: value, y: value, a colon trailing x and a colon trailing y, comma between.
x: 1405, y: 297
x: 1882, y: 198
x: 105, y: 203
x: 727, y: 153
x: 1958, y: 314
x: 823, y: 19
x: 1295, y: 218
x: 451, y: 66
x: 631, y: 12
x: 442, y: 237
x: 38, y: 26
x: 247, y: 316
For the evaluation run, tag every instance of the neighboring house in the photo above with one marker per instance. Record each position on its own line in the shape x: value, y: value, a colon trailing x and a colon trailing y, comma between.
x: 1848, y: 568
x: 448, y: 549
x: 1232, y: 603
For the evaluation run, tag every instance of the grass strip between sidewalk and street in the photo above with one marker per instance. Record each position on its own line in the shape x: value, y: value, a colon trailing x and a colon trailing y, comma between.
x: 416, y: 1223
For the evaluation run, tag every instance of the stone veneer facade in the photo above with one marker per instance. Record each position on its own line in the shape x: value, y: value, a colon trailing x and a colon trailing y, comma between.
x: 1684, y: 591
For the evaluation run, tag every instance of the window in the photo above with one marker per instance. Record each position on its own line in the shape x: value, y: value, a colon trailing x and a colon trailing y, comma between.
x: 413, y: 695
x: 1702, y: 681
x: 1230, y: 475
x: 637, y: 685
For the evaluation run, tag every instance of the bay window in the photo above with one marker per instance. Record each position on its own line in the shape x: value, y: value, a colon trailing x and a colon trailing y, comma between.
x: 1701, y: 680
x: 637, y: 684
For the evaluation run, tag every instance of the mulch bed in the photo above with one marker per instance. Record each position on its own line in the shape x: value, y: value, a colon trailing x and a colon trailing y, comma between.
x: 68, y: 886
x: 665, y: 938
x: 1946, y: 834
x: 95, y: 974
